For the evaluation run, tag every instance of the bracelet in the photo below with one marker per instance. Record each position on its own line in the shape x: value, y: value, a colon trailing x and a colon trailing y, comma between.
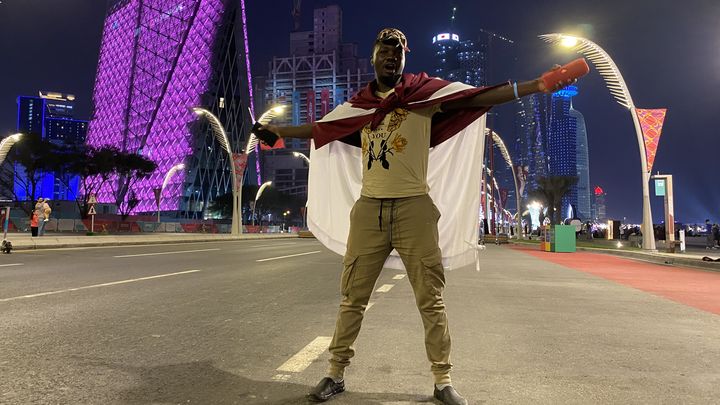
x: 515, y: 90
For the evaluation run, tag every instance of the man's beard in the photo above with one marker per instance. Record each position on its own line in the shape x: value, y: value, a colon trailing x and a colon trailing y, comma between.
x: 389, y: 81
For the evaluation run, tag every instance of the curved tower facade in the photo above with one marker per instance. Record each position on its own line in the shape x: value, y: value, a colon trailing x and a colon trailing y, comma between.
x: 158, y: 59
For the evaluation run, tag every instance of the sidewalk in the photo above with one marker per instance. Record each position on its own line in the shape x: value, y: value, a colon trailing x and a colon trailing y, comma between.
x: 23, y: 241
x: 691, y: 258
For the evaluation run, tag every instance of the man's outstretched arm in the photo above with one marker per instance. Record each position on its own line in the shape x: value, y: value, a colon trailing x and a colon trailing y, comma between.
x: 552, y: 80
x: 502, y: 94
x: 300, y: 131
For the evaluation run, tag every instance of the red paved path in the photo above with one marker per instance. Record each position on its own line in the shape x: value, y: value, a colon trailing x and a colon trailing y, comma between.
x: 696, y: 288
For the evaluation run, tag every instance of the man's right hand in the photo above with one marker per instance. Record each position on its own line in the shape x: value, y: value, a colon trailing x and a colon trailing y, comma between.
x: 268, y: 134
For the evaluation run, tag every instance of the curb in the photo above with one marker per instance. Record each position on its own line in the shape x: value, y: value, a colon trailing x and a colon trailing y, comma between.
x: 651, y: 258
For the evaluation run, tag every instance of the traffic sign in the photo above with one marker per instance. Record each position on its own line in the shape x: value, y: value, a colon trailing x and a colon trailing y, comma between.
x: 92, y: 199
x: 91, y: 211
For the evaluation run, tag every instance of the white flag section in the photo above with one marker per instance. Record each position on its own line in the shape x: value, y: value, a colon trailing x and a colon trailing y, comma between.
x: 454, y: 175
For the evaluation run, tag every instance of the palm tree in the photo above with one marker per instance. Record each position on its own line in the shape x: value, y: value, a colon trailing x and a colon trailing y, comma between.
x: 549, y: 193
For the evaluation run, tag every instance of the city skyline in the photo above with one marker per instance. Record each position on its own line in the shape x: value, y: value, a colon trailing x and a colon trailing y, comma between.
x: 640, y: 47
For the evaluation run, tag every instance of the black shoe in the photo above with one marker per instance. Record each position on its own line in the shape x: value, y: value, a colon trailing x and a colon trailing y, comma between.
x: 448, y: 396
x: 326, y: 389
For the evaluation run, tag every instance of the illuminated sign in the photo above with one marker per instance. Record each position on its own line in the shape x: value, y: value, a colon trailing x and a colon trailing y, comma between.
x: 660, y: 187
x: 446, y: 36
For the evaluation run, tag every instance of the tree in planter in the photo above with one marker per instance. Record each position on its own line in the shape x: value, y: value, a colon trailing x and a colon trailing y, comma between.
x: 89, y: 163
x: 37, y: 156
x: 130, y: 168
x: 549, y: 193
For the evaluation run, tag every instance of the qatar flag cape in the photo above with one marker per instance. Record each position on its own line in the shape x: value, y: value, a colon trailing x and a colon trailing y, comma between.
x: 454, y: 166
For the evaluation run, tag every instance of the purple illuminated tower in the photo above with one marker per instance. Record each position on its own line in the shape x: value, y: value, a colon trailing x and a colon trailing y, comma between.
x: 158, y: 59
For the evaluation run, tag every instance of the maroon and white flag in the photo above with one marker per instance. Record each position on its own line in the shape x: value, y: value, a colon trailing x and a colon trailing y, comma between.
x: 454, y: 165
x: 240, y: 164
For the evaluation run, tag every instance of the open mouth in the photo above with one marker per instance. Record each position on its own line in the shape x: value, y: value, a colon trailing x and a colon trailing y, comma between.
x: 390, y: 67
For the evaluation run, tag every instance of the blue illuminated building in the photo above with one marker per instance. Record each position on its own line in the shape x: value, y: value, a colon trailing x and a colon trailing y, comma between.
x: 584, y: 202
x: 552, y: 141
x: 50, y: 115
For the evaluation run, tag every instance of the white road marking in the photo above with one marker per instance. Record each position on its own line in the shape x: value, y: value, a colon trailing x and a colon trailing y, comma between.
x: 168, y: 253
x: 285, y: 257
x: 97, y: 285
x: 11, y: 264
x: 281, y: 377
x: 369, y: 306
x: 139, y: 245
x: 385, y: 288
x: 398, y: 277
x: 307, y: 355
x: 273, y: 245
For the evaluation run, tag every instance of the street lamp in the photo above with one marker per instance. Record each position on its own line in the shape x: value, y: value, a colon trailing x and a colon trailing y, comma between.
x: 506, y: 155
x: 257, y: 196
x: 222, y: 138
x: 7, y: 143
x: 616, y: 84
x: 224, y: 142
x: 300, y: 155
x: 264, y: 119
x: 168, y: 176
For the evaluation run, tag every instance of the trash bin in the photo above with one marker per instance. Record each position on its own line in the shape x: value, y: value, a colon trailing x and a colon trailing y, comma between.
x: 558, y: 238
x: 564, y: 239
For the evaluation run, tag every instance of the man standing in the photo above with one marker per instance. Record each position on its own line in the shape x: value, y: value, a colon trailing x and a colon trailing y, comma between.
x: 44, y: 216
x: 395, y: 120
x: 709, y: 242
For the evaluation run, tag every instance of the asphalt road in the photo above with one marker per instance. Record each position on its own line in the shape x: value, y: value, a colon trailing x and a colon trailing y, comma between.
x: 248, y: 322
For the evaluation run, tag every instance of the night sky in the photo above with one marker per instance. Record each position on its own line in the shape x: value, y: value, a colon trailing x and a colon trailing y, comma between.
x: 667, y: 51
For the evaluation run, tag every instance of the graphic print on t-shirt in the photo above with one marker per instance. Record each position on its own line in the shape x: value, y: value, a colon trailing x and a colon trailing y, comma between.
x: 384, y: 142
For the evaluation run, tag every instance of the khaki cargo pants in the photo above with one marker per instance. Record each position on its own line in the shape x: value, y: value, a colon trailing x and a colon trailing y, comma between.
x: 408, y: 225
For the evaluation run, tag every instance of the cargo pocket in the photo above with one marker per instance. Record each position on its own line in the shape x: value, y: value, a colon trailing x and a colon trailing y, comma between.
x: 348, y: 274
x: 437, y: 213
x: 433, y: 272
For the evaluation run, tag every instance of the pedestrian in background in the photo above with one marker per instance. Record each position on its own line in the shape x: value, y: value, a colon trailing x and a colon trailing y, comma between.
x: 34, y: 224
x: 44, y: 216
x: 710, y: 241
x: 716, y: 235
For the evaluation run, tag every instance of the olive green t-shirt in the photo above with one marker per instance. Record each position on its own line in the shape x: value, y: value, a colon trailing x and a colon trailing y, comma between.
x: 395, y: 154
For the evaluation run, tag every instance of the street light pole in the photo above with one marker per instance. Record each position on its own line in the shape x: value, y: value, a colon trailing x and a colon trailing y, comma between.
x: 257, y: 196
x: 616, y: 84
x: 168, y: 176
x: 222, y: 138
x: 506, y: 155
x: 7, y: 143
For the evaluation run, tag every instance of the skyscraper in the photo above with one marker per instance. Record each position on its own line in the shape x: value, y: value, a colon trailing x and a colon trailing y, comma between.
x: 583, y: 167
x: 321, y: 72
x: 599, y: 209
x: 158, y: 60
x: 562, y: 144
x: 532, y: 124
x: 50, y: 115
x: 460, y: 61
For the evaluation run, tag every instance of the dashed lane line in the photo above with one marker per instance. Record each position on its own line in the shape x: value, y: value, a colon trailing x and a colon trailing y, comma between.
x: 398, y: 277
x: 42, y: 294
x: 302, y: 359
x: 168, y: 253
x: 288, y: 256
x: 12, y: 264
x: 385, y: 288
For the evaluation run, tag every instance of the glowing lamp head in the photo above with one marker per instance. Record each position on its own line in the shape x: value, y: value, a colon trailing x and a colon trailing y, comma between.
x: 568, y: 41
x: 279, y: 109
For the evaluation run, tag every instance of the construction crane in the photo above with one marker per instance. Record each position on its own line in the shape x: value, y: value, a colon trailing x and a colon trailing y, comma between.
x: 296, y: 14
